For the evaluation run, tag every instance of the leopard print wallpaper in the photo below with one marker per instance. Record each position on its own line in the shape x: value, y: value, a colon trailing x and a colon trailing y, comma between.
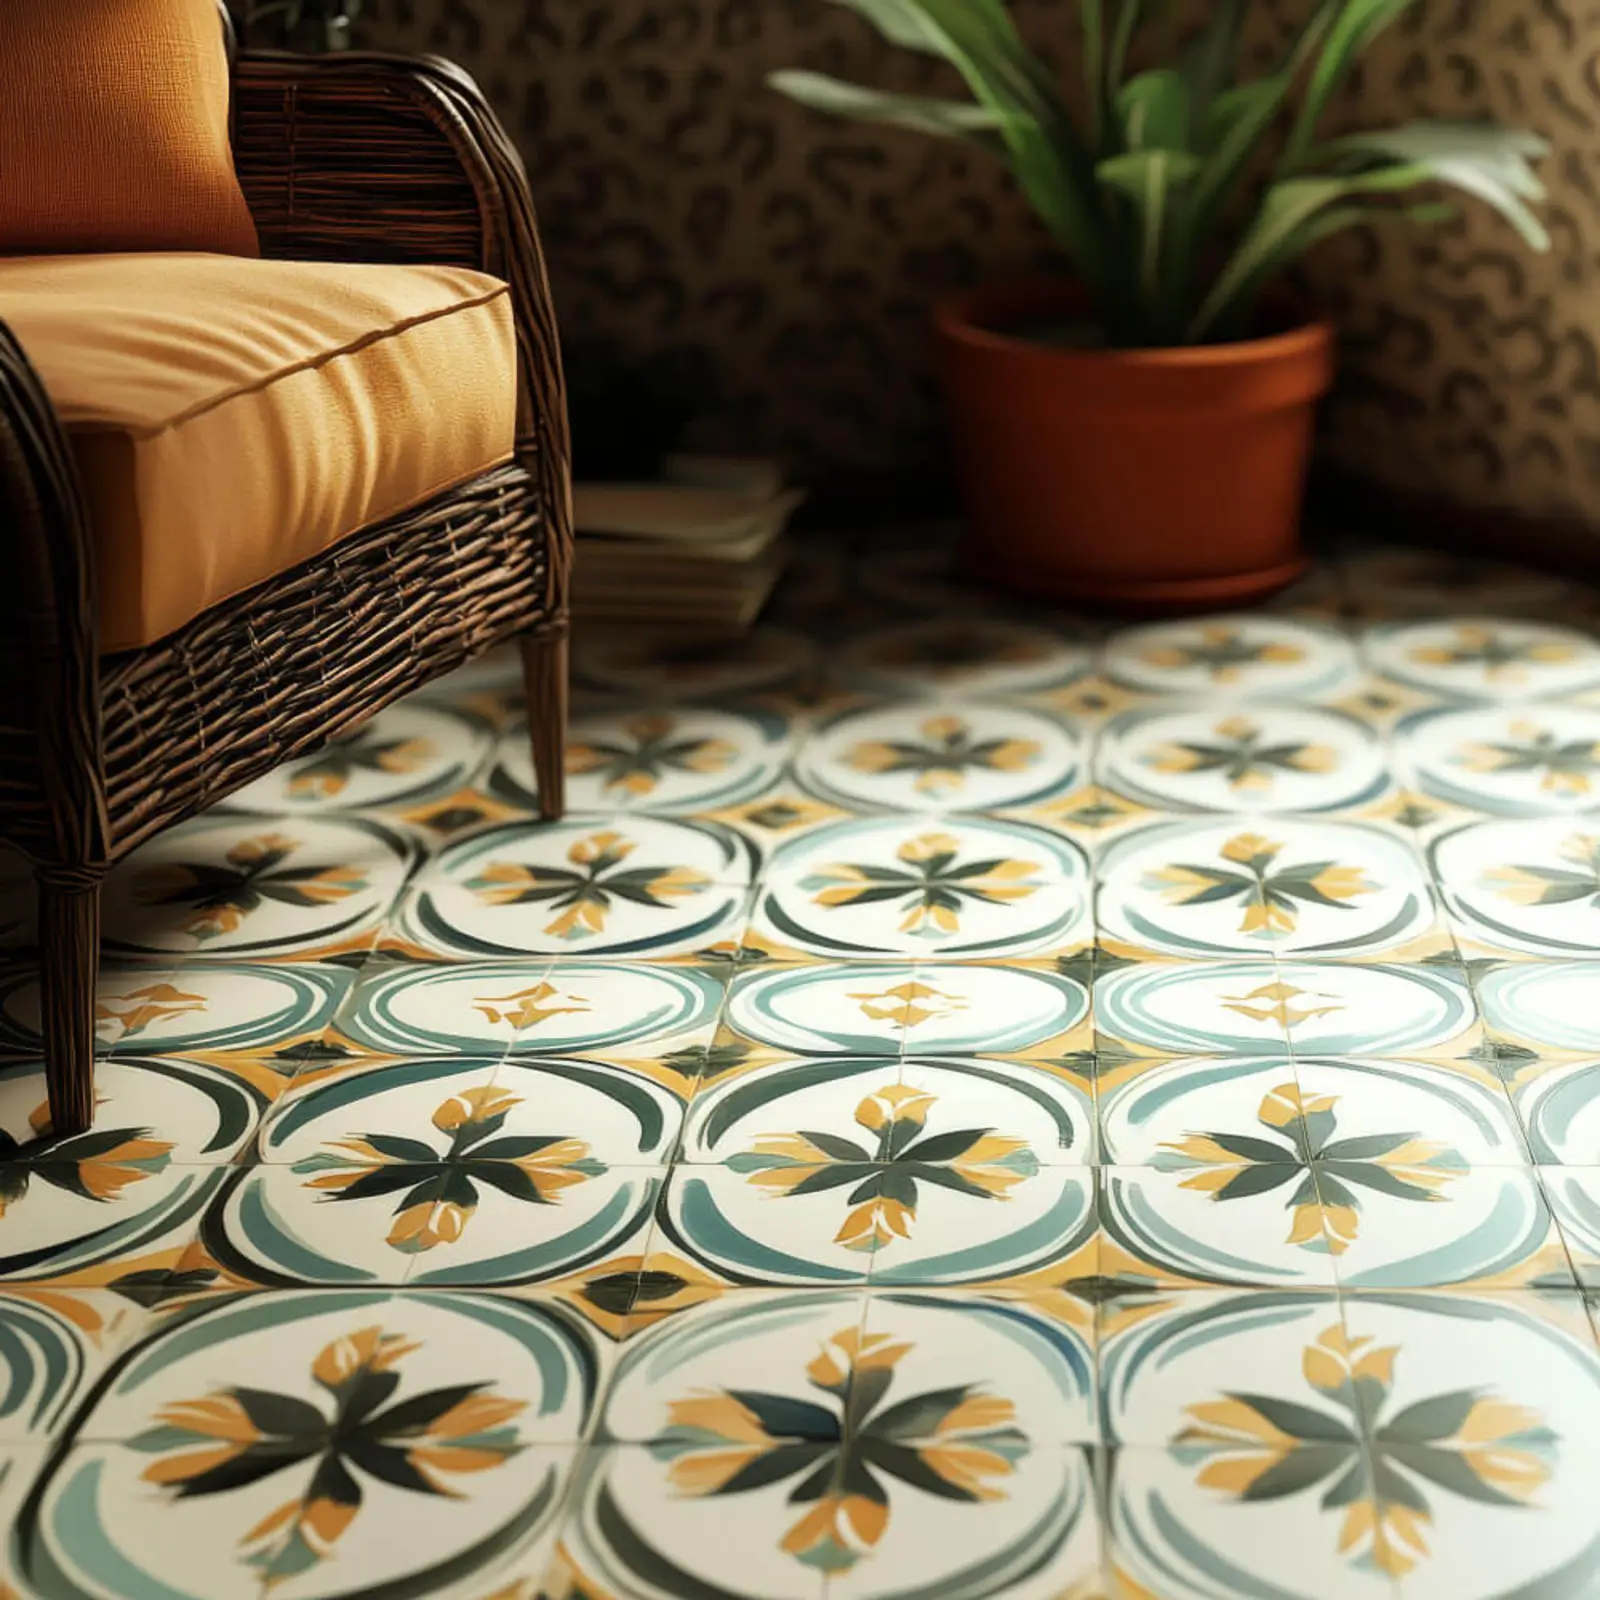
x: 770, y: 273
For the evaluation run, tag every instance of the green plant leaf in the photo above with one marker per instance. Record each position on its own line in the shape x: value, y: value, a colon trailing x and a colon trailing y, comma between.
x: 943, y: 118
x: 900, y: 22
x: 1490, y: 163
x: 1355, y: 24
x: 1149, y: 178
x: 1212, y: 57
x: 1153, y: 110
x: 1092, y: 29
x: 1296, y: 214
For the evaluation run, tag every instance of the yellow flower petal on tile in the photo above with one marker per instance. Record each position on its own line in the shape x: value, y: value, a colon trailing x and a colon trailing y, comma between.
x: 977, y: 1412
x: 1514, y: 1472
x: 1490, y: 1420
x: 476, y: 1414
x: 1208, y: 1180
x: 279, y: 1517
x: 1014, y: 755
x: 370, y: 1348
x: 967, y: 1466
x: 477, y: 1104
x: 1341, y: 1224
x: 250, y: 851
x: 1281, y: 654
x: 1264, y: 915
x: 706, y: 1471
x: 1236, y: 1474
x: 1281, y: 1107
x: 1236, y: 729
x: 1234, y: 1422
x: 895, y: 1102
x: 1342, y: 883
x: 1247, y: 847
x: 422, y: 1227
x: 1581, y: 849
x: 1513, y: 884
x: 875, y: 1224
x: 1172, y: 758
x: 1377, y: 1366
x: 1305, y: 1226
x: 1201, y: 1147
x: 712, y: 1411
x: 217, y: 1416
x: 928, y: 845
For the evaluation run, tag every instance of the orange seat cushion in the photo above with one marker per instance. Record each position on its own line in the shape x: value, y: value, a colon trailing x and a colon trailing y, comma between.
x: 114, y: 129
x: 232, y: 418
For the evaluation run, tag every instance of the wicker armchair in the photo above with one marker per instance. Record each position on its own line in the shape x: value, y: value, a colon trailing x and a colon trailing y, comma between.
x: 360, y: 157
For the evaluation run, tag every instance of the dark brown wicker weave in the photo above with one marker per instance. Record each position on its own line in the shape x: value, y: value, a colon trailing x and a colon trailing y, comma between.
x: 356, y: 157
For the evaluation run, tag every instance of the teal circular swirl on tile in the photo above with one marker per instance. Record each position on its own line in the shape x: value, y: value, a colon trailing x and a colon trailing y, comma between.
x: 1531, y: 884
x: 1485, y: 658
x: 1575, y: 1199
x: 1519, y: 761
x: 449, y: 1171
x: 1237, y: 656
x: 1268, y: 756
x: 1237, y: 886
x: 935, y: 1008
x: 1510, y: 1399
x: 404, y: 755
x: 674, y: 759
x: 44, y: 1359
x: 937, y: 887
x: 474, y: 1402
x: 958, y: 754
x: 237, y: 887
x: 995, y: 1502
x: 1264, y: 1008
x: 1545, y: 1003
x: 622, y: 886
x: 1561, y: 1110
x: 562, y: 1009
x: 934, y: 1170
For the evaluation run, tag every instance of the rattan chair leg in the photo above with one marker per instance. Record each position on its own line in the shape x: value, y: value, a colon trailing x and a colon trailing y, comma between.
x: 69, y: 961
x: 544, y: 676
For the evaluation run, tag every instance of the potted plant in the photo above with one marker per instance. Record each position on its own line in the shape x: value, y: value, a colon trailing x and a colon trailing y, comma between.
x: 1138, y: 432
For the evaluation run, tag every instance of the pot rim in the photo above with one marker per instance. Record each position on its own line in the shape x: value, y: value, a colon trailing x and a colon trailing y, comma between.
x: 961, y: 318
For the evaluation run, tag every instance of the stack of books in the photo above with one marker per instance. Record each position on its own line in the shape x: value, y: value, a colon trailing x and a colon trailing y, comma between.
x: 700, y: 548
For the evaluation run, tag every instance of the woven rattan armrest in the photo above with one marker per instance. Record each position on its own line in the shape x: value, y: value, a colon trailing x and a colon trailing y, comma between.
x: 364, y: 156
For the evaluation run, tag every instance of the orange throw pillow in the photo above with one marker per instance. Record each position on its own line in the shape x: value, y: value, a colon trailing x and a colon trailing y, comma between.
x: 114, y: 129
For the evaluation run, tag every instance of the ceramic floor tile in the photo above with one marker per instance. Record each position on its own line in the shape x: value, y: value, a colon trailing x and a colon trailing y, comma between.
x: 961, y: 755
x: 1259, y: 1225
x: 967, y: 1106
x: 1250, y: 886
x: 1559, y: 1103
x: 1268, y: 757
x: 1574, y: 1196
x: 1196, y: 1521
x: 925, y: 888
x: 1484, y: 1420
x: 240, y: 888
x: 614, y: 885
x: 1484, y: 1226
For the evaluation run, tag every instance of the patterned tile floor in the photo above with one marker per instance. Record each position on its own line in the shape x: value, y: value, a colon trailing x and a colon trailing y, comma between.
x: 970, y: 1104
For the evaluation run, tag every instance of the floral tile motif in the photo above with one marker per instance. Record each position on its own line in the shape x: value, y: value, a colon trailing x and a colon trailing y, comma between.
x: 687, y: 667
x: 1270, y: 757
x: 1486, y: 658
x: 317, y: 1445
x: 933, y: 1008
x: 1232, y: 657
x: 1237, y: 886
x: 233, y: 889
x: 921, y: 1449
x: 192, y: 1008
x: 1276, y: 1008
x: 635, y: 886
x: 406, y: 754
x: 960, y: 656
x: 449, y: 1172
x: 1530, y: 885
x: 1481, y: 1412
x: 947, y: 887
x: 679, y: 760
x: 1375, y: 1457
x: 962, y: 756
x: 1519, y: 761
x: 527, y: 1008
x: 1545, y: 1003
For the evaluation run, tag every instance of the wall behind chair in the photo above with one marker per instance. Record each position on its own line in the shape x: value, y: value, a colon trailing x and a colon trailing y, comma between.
x: 772, y: 271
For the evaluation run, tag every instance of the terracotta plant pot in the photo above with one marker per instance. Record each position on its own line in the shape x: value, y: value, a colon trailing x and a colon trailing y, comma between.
x: 1147, y: 480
